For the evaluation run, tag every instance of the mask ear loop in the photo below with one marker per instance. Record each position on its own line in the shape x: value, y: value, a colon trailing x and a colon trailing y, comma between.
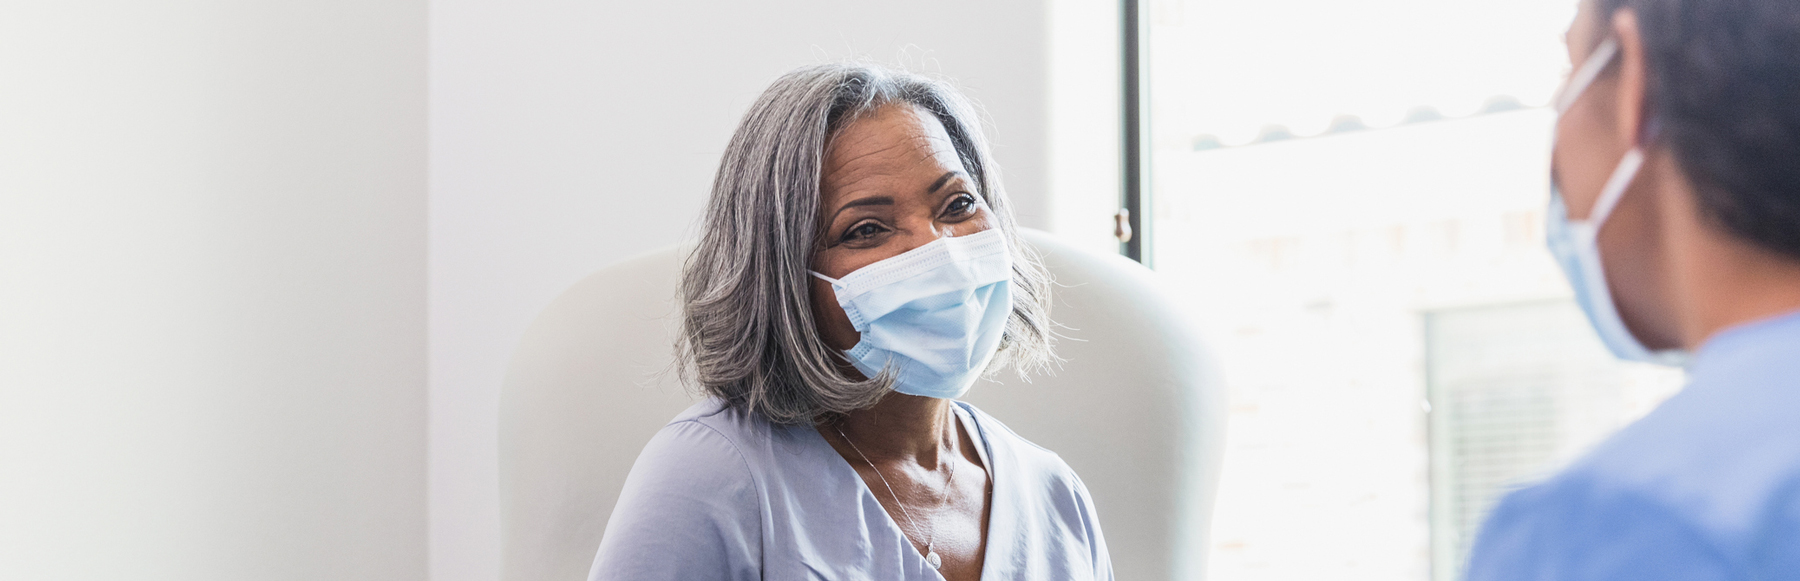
x: 1590, y: 70
x: 1578, y: 83
x: 835, y: 283
x: 1616, y: 185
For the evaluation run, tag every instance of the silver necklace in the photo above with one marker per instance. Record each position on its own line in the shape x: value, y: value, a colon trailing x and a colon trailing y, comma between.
x: 931, y: 556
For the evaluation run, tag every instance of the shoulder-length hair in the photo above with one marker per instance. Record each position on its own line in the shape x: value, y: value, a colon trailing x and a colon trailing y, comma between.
x: 748, y: 336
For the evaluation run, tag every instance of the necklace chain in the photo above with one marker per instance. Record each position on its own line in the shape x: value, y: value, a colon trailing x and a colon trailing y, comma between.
x: 930, y: 540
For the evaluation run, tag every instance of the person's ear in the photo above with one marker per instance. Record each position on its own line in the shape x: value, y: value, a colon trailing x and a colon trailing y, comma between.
x: 1633, y: 88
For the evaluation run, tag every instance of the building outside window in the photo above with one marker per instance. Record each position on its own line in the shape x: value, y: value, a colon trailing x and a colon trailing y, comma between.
x: 1350, y: 195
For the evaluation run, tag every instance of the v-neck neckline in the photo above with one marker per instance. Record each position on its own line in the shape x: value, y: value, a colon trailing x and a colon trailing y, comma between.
x: 965, y: 418
x: 993, y: 555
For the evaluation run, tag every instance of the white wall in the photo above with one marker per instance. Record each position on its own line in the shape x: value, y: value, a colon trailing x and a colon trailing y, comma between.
x: 212, y: 290
x: 569, y: 134
x: 1083, y: 126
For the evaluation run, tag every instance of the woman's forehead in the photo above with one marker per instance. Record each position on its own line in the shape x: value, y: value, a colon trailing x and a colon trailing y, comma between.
x: 894, y: 139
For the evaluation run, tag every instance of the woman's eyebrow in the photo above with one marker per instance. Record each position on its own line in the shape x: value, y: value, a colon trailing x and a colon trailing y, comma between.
x: 869, y: 201
x: 944, y: 179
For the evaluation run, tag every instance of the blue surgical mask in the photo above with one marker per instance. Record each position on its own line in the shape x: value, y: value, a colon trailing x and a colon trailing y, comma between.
x: 1575, y: 243
x: 932, y: 316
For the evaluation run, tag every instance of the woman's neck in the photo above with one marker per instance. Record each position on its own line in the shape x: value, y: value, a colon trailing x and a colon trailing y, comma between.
x: 901, y: 427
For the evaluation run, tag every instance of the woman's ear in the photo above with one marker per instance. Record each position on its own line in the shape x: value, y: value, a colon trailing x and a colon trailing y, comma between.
x: 1633, y: 89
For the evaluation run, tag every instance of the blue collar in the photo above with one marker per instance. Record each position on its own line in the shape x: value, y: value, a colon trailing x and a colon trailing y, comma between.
x: 1773, y: 336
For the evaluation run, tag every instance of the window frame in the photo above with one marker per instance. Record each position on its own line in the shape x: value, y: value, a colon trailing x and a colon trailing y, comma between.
x: 1134, y: 168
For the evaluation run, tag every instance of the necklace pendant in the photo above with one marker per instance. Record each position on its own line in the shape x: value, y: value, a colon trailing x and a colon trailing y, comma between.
x: 932, y: 558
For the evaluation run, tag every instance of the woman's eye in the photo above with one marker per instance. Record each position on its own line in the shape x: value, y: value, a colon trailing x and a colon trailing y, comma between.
x: 963, y: 204
x: 862, y: 231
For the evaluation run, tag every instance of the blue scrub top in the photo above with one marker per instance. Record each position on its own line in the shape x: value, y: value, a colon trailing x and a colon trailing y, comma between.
x: 720, y: 494
x: 1707, y: 487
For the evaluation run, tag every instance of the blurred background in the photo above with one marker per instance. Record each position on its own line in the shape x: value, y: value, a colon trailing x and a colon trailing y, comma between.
x: 262, y: 264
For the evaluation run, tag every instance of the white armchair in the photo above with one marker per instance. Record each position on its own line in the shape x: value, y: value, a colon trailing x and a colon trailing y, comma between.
x: 1136, y: 409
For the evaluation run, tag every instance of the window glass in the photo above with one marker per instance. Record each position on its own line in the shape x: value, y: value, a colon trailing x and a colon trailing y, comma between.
x: 1350, y: 196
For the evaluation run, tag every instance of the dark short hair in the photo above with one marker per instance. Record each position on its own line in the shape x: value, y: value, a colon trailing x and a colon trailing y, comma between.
x: 1724, y: 95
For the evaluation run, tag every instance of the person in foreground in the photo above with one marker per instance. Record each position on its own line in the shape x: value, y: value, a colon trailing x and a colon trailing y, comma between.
x: 1678, y: 160
x: 858, y: 270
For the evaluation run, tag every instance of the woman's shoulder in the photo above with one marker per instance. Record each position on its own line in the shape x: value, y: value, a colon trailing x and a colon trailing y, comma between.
x: 690, y: 506
x: 708, y: 436
x: 713, y: 440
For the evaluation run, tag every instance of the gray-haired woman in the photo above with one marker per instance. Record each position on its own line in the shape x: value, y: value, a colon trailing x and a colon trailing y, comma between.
x: 858, y: 270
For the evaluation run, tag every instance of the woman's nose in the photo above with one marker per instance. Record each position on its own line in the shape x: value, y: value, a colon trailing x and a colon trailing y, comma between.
x: 932, y: 232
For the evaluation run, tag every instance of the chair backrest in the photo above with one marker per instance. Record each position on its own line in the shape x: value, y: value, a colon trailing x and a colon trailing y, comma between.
x: 1136, y: 408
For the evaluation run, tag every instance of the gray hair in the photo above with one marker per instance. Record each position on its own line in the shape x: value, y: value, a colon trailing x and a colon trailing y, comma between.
x: 748, y: 335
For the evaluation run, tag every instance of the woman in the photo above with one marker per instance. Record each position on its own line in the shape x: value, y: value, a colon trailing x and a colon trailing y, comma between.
x: 857, y: 272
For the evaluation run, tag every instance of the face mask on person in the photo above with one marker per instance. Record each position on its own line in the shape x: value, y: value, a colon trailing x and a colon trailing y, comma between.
x: 933, y: 315
x: 1576, y: 243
